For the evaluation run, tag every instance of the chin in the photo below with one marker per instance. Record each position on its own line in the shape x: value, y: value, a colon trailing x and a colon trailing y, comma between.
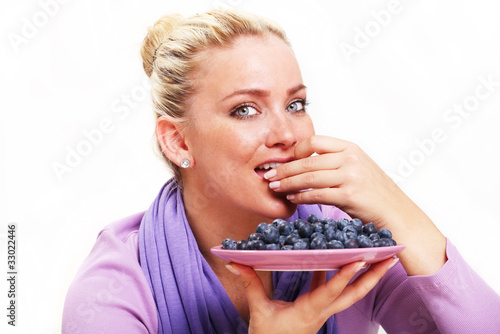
x: 281, y: 208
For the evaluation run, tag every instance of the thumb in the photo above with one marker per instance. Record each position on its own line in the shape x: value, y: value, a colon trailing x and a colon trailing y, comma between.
x: 255, y: 292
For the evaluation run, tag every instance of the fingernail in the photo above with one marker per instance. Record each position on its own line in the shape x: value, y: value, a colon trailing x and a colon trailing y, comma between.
x: 393, y: 263
x: 274, y: 185
x: 359, y: 266
x: 270, y: 174
x: 290, y: 197
x: 232, y: 269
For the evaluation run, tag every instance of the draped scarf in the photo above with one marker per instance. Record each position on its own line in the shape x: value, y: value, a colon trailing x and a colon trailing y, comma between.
x: 188, y: 295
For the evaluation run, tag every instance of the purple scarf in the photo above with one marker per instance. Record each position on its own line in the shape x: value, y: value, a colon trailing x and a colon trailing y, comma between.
x: 188, y: 295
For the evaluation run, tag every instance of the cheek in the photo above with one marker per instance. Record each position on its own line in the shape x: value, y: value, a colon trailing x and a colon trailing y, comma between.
x: 305, y: 128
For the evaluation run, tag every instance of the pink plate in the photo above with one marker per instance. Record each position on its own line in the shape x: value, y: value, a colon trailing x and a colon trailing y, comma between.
x: 305, y: 260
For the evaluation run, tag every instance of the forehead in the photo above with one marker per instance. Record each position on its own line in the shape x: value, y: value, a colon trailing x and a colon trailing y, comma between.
x: 264, y: 62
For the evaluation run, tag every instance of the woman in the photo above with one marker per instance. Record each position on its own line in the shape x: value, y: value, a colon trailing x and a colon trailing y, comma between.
x: 232, y: 124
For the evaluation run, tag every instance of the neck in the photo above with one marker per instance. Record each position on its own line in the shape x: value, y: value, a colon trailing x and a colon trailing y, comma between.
x: 212, y: 221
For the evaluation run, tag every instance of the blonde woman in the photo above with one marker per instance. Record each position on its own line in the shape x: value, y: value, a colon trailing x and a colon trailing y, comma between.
x: 232, y: 124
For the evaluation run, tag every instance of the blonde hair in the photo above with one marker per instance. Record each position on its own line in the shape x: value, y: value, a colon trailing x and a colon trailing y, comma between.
x: 174, y: 47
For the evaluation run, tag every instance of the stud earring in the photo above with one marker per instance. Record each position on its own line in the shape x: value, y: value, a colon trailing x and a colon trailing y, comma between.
x: 185, y: 163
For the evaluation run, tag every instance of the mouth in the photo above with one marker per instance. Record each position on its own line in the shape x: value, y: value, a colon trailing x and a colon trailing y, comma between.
x: 270, y: 164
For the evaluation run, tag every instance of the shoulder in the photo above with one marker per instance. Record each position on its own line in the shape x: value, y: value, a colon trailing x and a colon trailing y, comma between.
x: 110, y: 292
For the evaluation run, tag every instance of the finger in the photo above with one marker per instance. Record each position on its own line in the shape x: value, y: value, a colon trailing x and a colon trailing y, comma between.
x: 320, y: 145
x: 363, y: 284
x: 255, y: 291
x: 317, y: 179
x: 318, y: 279
x: 309, y: 164
x: 327, y: 196
x: 323, y: 295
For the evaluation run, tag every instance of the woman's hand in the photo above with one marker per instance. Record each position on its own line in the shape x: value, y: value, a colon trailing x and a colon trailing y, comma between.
x: 343, y: 175
x: 308, y: 312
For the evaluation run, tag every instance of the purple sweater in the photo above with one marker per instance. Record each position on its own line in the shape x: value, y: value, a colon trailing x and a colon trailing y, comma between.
x: 110, y: 294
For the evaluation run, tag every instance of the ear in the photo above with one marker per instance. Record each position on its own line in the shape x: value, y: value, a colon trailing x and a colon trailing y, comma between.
x: 172, y: 143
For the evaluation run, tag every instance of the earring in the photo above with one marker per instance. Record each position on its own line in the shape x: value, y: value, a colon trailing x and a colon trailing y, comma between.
x: 185, y: 163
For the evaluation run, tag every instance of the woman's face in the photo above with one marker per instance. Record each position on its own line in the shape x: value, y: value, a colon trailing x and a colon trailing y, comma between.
x: 248, y: 111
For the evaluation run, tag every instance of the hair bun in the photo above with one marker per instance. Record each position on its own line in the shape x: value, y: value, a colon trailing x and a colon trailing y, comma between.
x: 158, y: 33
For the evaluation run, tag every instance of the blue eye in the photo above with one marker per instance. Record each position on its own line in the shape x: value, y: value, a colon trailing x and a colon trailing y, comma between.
x: 295, y: 106
x: 244, y: 111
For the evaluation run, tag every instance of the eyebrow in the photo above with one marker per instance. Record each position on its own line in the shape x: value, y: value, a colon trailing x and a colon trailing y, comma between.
x: 261, y: 92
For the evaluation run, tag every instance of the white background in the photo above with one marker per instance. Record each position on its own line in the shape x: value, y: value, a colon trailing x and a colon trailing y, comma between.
x: 80, y: 65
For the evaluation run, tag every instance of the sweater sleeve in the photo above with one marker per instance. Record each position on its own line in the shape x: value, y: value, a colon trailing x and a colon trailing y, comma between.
x: 458, y: 299
x: 453, y: 300
x: 110, y: 293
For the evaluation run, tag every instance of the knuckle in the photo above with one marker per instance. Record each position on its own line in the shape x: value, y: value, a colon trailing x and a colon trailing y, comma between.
x: 316, y: 196
x: 309, y: 179
x: 309, y: 162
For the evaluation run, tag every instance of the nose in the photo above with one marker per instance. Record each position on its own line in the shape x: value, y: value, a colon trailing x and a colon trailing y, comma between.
x: 281, y: 131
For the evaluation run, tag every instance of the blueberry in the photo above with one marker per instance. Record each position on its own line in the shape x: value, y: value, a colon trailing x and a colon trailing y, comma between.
x: 342, y: 223
x: 298, y: 223
x: 261, y: 227
x: 290, y: 239
x: 256, y: 236
x: 364, y: 242
x: 317, y: 235
x: 271, y: 235
x: 385, y: 242
x: 329, y: 233
x: 340, y: 236
x: 312, y: 218
x: 241, y: 245
x: 259, y: 245
x: 287, y: 247
x: 229, y: 244
x: 276, y: 222
x: 282, y: 239
x: 300, y: 245
x: 377, y: 243
x: 350, y: 231
x: 325, y: 220
x: 334, y: 244
x: 331, y: 223
x: 369, y: 228
x: 285, y: 228
x: 250, y: 244
x: 374, y: 237
x: 384, y: 233
x: 351, y: 243
x: 318, y: 227
x: 306, y: 230
x: 272, y: 247
x: 318, y: 243
x: 358, y: 225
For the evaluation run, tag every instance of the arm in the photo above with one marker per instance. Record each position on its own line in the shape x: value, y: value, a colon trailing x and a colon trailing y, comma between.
x: 344, y: 176
x: 110, y: 293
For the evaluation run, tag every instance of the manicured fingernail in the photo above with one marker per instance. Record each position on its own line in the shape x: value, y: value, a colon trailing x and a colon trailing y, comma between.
x: 290, y: 197
x: 270, y: 174
x: 232, y: 269
x: 393, y: 263
x: 359, y: 266
x: 274, y: 185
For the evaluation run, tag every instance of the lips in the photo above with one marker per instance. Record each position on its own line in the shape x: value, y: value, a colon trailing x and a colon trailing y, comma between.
x: 269, y: 164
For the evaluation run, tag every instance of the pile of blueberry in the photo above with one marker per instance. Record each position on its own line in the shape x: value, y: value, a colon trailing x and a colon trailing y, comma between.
x: 314, y: 233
